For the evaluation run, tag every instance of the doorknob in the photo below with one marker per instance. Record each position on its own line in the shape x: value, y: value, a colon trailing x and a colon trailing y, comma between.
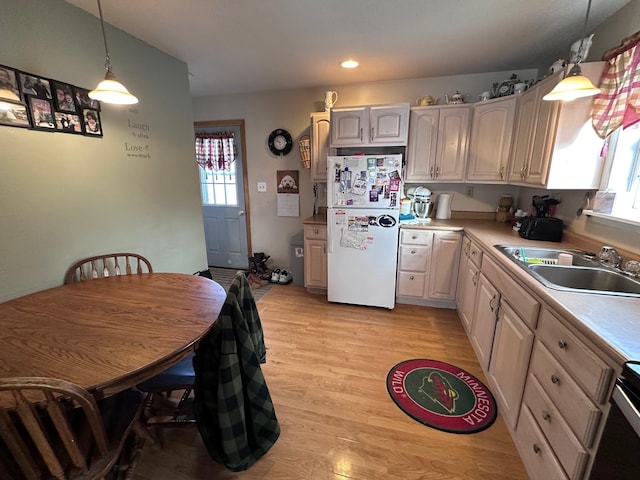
x: 240, y: 213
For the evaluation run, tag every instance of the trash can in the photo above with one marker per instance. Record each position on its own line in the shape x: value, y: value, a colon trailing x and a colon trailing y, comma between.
x: 296, y: 258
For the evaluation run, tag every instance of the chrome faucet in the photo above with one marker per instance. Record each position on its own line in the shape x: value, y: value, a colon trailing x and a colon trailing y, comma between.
x: 609, y: 257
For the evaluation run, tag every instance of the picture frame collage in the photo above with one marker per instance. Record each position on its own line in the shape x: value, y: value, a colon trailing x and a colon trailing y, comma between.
x: 30, y: 101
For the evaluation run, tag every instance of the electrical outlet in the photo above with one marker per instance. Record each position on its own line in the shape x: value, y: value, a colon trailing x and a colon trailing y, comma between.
x: 469, y: 191
x: 262, y: 186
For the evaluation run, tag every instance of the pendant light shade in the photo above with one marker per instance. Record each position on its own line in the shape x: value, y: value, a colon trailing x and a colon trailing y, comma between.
x: 574, y: 85
x: 110, y: 90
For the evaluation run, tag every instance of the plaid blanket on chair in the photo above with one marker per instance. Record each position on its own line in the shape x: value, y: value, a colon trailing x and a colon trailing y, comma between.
x: 232, y: 405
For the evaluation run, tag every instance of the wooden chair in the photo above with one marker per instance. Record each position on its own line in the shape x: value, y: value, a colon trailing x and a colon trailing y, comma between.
x: 107, y: 265
x: 51, y: 428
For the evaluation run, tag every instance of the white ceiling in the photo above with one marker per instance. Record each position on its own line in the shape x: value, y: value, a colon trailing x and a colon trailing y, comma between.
x: 237, y: 46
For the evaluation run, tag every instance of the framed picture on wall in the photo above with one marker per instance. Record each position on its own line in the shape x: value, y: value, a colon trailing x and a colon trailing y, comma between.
x: 41, y: 112
x: 63, y: 97
x: 14, y: 114
x: 83, y: 100
x: 9, y: 90
x: 68, y: 122
x: 33, y: 85
x: 91, y: 122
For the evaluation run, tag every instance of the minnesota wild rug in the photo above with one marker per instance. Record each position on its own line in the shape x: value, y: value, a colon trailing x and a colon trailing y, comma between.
x: 441, y: 396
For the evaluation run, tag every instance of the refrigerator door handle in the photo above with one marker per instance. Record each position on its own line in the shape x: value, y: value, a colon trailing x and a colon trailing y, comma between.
x: 330, y: 227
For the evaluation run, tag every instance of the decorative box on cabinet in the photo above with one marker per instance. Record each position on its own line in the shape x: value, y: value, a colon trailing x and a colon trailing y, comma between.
x: 438, y: 138
x: 555, y: 145
x: 370, y: 125
x: 320, y: 133
x: 315, y: 257
x: 427, y: 267
x: 490, y: 144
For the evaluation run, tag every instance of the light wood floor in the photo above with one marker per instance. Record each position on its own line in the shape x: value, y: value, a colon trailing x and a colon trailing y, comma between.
x: 326, y: 370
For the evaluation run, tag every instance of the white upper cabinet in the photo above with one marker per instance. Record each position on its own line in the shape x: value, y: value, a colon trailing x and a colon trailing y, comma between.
x: 555, y: 145
x: 490, y: 146
x: 438, y: 138
x: 320, y: 129
x: 370, y: 125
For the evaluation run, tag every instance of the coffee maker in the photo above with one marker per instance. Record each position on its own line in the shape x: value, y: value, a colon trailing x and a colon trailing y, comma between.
x: 421, y: 204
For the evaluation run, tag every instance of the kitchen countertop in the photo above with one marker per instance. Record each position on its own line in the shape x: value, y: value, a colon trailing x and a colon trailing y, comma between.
x: 611, y: 322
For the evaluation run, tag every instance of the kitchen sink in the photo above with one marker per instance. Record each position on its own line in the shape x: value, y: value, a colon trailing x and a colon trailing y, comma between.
x: 584, y: 278
x: 585, y: 274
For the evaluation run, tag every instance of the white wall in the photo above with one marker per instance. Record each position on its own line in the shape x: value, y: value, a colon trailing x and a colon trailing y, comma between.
x: 64, y: 197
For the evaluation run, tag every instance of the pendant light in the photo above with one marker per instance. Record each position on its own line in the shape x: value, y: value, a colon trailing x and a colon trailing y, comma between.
x: 574, y: 85
x: 110, y: 90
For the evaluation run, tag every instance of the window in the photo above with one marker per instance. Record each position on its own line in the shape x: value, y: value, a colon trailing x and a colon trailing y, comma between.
x: 624, y: 172
x: 219, y: 187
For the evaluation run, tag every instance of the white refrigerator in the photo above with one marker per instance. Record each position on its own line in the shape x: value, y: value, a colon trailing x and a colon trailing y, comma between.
x: 363, y: 207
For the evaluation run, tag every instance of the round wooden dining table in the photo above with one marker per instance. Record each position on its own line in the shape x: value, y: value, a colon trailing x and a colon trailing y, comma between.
x: 107, y: 334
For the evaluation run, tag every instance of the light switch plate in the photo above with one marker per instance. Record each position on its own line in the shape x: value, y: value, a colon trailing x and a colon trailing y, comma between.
x: 262, y: 186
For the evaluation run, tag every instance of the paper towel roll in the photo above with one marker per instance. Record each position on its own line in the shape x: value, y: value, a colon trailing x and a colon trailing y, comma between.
x: 444, y: 207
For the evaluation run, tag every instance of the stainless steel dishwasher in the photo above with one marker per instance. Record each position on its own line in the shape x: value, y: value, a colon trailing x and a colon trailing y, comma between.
x: 618, y: 457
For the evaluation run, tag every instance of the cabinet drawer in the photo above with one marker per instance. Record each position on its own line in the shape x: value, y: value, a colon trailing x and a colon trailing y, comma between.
x: 536, y: 453
x: 414, y: 258
x: 475, y: 254
x: 416, y: 237
x: 587, y: 368
x: 411, y: 284
x: 582, y: 415
x: 524, y: 304
x: 571, y: 454
x: 315, y: 232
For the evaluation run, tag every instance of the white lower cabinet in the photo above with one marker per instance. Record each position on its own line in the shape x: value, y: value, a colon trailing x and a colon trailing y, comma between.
x: 550, y: 383
x: 509, y: 361
x: 427, y: 265
x: 468, y: 277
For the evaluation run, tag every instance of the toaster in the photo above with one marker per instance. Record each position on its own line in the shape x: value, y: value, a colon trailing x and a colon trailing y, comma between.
x: 541, y: 228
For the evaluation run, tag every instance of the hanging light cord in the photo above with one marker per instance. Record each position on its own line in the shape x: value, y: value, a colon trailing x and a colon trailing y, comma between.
x: 107, y: 63
x: 580, y: 48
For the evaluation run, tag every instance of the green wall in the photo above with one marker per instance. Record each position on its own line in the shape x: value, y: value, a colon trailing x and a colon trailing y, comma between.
x: 64, y: 197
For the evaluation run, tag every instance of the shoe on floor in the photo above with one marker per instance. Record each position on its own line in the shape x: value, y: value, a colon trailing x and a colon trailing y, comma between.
x: 275, y: 276
x: 285, y: 277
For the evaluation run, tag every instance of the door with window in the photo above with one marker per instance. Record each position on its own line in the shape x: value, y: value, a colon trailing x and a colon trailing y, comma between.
x: 219, y: 151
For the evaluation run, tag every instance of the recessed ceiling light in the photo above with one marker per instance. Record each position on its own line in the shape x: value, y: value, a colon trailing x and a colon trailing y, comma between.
x: 349, y: 64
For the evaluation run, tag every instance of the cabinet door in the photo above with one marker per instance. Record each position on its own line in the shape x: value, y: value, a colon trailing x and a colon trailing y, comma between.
x: 462, y: 271
x: 445, y: 256
x: 388, y: 124
x: 453, y: 135
x: 349, y: 126
x: 510, y: 356
x: 320, y: 131
x: 315, y: 263
x: 491, y: 140
x: 469, y: 284
x: 484, y: 322
x: 523, y: 136
x: 543, y: 138
x: 423, y: 136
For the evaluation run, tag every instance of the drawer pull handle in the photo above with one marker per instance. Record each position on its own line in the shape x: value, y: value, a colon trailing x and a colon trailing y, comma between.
x: 562, y: 344
x: 412, y: 277
x: 413, y: 237
x: 316, y: 231
x: 536, y: 448
x: 555, y: 379
x: 413, y: 252
x: 546, y: 416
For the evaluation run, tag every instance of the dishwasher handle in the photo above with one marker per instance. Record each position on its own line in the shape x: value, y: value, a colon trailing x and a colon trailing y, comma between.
x: 628, y: 403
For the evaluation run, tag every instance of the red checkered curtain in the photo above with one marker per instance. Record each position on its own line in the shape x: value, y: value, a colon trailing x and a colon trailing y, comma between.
x: 215, y: 151
x: 618, y: 103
